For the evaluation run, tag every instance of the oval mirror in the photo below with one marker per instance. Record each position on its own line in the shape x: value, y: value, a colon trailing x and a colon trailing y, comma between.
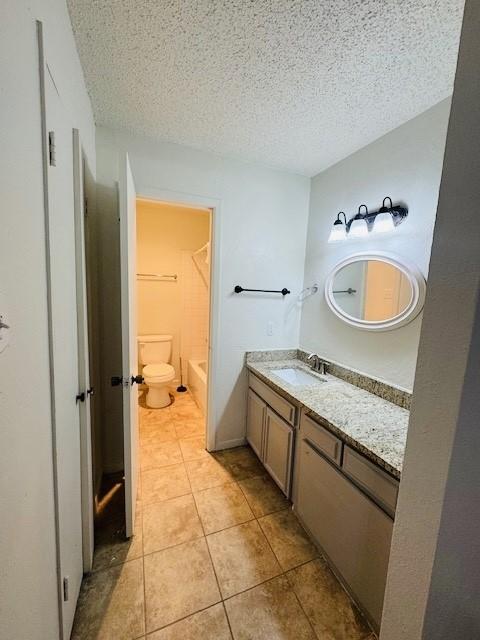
x: 375, y: 291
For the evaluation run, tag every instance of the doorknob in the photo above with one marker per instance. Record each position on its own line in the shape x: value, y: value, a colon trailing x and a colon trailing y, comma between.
x: 80, y: 397
x: 137, y: 379
x: 91, y: 392
x: 116, y: 381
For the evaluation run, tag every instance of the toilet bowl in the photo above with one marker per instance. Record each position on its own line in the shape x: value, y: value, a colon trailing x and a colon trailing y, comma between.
x: 154, y: 353
x: 157, y: 378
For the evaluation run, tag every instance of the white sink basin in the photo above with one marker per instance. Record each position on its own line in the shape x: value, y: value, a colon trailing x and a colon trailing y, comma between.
x: 297, y: 377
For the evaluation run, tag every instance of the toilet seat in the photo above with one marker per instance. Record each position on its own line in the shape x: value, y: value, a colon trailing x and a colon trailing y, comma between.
x: 162, y: 372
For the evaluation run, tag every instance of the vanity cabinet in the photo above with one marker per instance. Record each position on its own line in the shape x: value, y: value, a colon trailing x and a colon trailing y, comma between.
x: 345, y: 501
x: 270, y: 431
x: 351, y: 528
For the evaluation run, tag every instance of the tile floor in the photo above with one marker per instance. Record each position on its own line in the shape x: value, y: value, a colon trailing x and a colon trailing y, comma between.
x: 217, y: 553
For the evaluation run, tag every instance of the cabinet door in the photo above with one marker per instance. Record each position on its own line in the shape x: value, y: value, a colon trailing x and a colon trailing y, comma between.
x: 256, y: 409
x: 354, y: 533
x: 278, y: 450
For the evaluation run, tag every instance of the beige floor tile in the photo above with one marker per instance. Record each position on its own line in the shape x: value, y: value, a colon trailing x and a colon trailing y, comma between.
x: 155, y: 433
x: 160, y: 454
x: 169, y: 523
x: 193, y: 448
x: 165, y: 483
x: 189, y: 428
x: 186, y: 411
x: 178, y: 582
x: 241, y: 462
x: 154, y: 416
x: 263, y: 495
x: 242, y: 558
x: 111, y: 604
x: 268, y: 612
x: 210, y: 624
x: 288, y: 539
x: 207, y: 473
x: 328, y: 607
x: 222, y: 507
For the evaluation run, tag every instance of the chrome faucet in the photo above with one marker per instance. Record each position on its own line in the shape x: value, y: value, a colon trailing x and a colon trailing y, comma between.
x: 318, y: 364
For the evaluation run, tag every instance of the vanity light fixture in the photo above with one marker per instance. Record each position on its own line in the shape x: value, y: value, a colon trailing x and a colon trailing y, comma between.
x: 358, y: 227
x: 387, y: 218
x: 339, y: 229
x: 383, y: 222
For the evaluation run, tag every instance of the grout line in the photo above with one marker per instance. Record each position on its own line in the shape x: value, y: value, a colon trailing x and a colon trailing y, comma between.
x: 170, y: 624
x: 227, y: 618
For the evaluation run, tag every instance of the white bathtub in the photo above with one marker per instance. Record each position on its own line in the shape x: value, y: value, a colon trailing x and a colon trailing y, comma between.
x: 197, y: 382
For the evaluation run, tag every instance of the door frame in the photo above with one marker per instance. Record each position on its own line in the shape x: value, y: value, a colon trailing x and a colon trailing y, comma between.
x: 86, y: 468
x: 214, y: 204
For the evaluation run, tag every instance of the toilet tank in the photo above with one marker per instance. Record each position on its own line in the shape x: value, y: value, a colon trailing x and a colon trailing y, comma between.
x: 154, y: 349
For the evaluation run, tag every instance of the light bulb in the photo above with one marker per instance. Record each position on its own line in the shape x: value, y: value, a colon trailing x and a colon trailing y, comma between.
x: 338, y: 232
x: 383, y: 223
x: 358, y: 228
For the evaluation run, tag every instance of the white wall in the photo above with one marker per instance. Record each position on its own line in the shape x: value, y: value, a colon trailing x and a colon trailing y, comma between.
x: 28, y: 584
x: 164, y: 234
x: 433, y: 585
x: 405, y: 164
x: 263, y: 217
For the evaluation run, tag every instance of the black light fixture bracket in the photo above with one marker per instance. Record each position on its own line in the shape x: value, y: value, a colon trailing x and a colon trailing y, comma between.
x: 397, y: 212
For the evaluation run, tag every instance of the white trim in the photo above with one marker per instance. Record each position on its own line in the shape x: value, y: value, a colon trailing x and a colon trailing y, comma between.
x: 83, y: 356
x: 410, y: 270
x: 48, y: 269
x: 214, y: 205
x: 230, y: 444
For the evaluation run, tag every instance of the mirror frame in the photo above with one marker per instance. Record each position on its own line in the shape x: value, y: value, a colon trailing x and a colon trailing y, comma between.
x: 410, y: 270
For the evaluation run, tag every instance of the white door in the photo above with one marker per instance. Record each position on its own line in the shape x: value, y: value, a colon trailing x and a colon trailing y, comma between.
x: 61, y: 267
x: 83, y: 357
x: 127, y: 199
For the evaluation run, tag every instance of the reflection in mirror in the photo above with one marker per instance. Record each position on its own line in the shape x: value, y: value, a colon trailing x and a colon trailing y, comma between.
x: 372, y: 290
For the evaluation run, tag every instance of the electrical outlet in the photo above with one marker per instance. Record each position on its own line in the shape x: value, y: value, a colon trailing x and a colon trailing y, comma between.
x: 269, y: 328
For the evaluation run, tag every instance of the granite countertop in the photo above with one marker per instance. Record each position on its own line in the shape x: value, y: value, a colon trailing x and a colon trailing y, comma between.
x: 374, y: 426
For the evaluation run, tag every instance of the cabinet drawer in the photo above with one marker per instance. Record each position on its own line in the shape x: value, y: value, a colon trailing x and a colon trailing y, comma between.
x: 378, y: 484
x: 278, y: 404
x: 322, y: 439
x: 352, y: 530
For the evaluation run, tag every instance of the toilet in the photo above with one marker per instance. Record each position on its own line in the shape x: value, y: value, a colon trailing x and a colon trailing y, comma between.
x: 154, y: 353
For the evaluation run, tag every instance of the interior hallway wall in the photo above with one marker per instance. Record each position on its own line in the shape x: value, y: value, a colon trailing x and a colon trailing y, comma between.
x: 28, y: 580
x: 263, y: 221
x: 406, y: 165
x: 433, y: 585
x: 164, y: 234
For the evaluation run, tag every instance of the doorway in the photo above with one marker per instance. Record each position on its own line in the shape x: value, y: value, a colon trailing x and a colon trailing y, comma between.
x: 173, y: 301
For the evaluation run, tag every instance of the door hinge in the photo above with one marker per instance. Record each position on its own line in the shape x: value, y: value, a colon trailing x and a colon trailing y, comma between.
x: 52, y: 155
x: 86, y: 207
x: 65, y: 589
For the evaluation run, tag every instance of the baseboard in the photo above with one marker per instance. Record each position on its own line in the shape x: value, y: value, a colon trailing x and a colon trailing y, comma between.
x: 230, y: 444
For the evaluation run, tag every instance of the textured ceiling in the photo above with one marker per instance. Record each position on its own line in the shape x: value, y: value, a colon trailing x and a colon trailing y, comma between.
x: 296, y: 84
